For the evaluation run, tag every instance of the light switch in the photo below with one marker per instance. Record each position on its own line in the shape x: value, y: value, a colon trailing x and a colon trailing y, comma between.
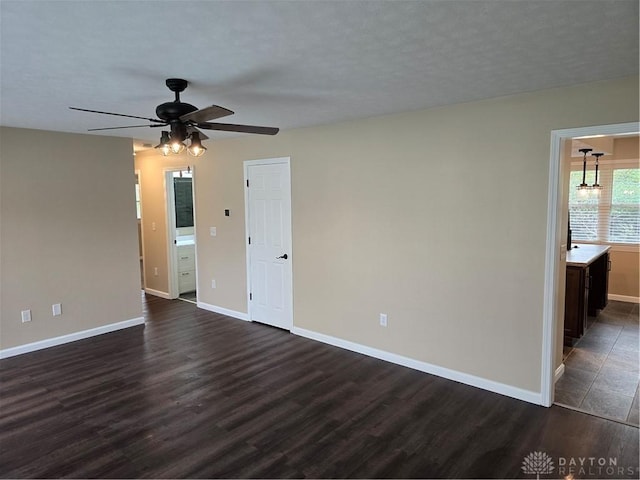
x: 56, y: 309
x: 212, y: 231
x: 26, y: 316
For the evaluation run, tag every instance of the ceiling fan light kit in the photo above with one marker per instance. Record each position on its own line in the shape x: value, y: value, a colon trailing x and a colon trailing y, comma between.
x: 184, y: 121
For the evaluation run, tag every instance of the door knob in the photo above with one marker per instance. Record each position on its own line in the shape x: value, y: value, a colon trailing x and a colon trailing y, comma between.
x: 285, y: 256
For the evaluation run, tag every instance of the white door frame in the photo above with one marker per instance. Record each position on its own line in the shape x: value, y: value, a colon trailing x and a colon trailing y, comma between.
x: 170, y: 215
x: 138, y: 173
x: 552, y: 257
x: 247, y: 164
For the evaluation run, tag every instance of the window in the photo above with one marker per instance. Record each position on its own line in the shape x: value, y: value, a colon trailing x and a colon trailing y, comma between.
x: 183, y: 192
x: 183, y: 197
x: 614, y: 216
x: 624, y: 223
x: 583, y: 211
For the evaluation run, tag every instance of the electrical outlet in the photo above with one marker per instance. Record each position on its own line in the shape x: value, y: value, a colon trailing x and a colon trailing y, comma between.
x: 155, y: 271
x: 383, y: 319
x: 56, y: 309
x: 26, y: 316
x: 213, y: 231
x: 213, y: 283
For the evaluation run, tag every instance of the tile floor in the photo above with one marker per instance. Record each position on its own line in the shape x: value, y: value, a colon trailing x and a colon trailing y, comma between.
x: 189, y: 297
x: 602, y: 369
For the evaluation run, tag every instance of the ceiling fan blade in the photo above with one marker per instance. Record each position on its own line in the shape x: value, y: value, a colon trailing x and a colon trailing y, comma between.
x: 191, y: 129
x: 118, y: 114
x: 206, y: 114
x: 127, y: 126
x: 230, y: 127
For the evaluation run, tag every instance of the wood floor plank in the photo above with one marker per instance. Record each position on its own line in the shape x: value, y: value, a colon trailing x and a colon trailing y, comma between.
x: 195, y: 394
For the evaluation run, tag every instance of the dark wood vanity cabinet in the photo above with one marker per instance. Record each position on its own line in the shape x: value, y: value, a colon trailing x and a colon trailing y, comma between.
x: 576, y: 302
x: 587, y: 287
x: 599, y: 273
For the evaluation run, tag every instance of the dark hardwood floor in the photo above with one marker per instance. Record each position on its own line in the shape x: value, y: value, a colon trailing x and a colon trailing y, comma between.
x: 200, y: 395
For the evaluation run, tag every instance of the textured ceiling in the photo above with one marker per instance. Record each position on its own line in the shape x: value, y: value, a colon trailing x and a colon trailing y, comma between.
x: 296, y: 63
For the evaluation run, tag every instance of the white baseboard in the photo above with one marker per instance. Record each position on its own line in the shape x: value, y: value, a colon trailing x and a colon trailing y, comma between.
x: 623, y: 298
x: 157, y: 293
x: 474, y: 381
x: 223, y: 311
x: 559, y: 372
x: 71, y: 337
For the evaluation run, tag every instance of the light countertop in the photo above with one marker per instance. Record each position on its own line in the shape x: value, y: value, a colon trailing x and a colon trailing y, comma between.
x: 585, y: 254
x: 185, y: 240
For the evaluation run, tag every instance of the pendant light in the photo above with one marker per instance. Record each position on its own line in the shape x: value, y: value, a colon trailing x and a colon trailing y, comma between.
x: 196, y: 148
x: 164, y: 146
x: 596, y: 188
x: 583, y: 188
x: 177, y: 146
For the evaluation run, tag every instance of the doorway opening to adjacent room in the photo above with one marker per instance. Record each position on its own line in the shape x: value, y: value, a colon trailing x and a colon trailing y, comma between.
x: 181, y: 229
x: 140, y: 233
x: 577, y: 375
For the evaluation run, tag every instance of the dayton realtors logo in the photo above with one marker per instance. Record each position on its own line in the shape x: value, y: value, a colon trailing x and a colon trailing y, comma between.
x: 537, y: 463
x: 599, y: 467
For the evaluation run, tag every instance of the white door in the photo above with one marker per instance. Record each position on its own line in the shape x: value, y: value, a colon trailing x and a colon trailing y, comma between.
x: 268, y: 200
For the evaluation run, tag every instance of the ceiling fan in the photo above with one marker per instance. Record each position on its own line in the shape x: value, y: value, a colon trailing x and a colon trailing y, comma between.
x: 184, y: 121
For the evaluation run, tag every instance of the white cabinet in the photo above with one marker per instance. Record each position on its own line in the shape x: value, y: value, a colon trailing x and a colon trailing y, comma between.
x: 186, y: 268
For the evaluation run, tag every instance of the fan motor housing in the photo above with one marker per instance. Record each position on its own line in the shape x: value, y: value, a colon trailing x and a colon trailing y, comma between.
x: 173, y: 110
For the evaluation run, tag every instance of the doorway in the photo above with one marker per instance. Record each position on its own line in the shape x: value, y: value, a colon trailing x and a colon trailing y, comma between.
x: 555, y: 268
x: 139, y: 221
x: 181, y: 233
x: 269, y: 255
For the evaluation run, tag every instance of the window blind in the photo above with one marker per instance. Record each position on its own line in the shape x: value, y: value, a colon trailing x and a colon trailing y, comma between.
x: 624, y: 216
x: 614, y: 215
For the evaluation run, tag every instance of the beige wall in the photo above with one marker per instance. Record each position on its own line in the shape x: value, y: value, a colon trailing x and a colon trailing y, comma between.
x: 435, y: 217
x: 561, y: 266
x: 624, y: 277
x: 68, y: 234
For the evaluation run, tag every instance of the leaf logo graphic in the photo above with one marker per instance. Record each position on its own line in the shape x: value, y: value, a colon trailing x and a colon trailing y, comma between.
x: 537, y: 463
